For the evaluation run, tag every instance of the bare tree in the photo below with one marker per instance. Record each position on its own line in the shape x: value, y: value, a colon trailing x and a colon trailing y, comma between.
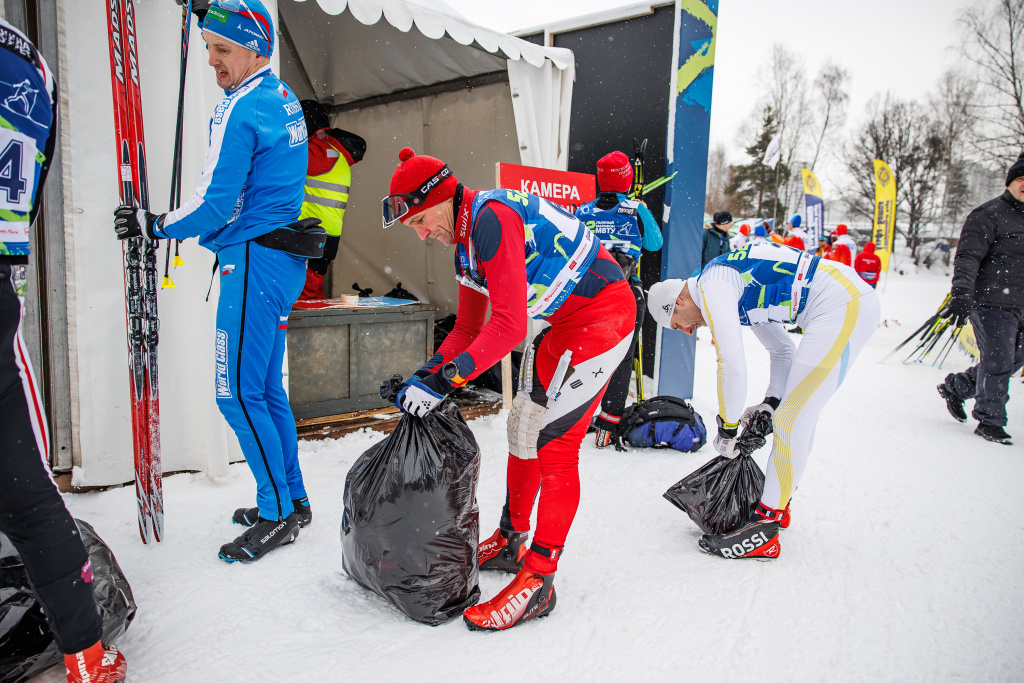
x: 783, y: 80
x: 903, y: 135
x: 830, y: 100
x: 953, y: 111
x: 993, y: 40
x: 718, y: 180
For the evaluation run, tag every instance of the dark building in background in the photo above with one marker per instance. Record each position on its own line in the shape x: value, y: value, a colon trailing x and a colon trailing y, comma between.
x: 623, y: 73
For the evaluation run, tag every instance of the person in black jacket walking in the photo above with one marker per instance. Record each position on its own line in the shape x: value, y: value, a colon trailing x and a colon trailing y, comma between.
x: 716, y: 238
x: 988, y: 288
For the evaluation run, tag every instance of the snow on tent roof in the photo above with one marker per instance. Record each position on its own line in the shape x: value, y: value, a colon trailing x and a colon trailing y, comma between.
x: 349, y: 54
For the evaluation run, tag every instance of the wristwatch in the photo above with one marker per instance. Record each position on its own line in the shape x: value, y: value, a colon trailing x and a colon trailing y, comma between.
x: 450, y: 371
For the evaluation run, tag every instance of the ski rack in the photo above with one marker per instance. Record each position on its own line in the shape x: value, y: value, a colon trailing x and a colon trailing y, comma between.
x: 140, y: 272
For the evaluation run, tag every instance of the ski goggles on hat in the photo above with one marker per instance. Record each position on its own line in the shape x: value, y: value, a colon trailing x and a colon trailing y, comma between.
x: 397, y: 206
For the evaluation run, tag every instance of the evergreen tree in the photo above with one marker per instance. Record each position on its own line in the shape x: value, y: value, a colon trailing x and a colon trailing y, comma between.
x: 754, y: 185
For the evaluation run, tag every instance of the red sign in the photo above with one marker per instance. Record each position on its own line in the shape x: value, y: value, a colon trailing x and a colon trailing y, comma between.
x: 570, y: 190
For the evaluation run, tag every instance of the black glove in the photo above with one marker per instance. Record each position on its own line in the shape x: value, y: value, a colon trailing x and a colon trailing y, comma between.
x: 959, y: 307
x: 389, y: 388
x: 130, y: 221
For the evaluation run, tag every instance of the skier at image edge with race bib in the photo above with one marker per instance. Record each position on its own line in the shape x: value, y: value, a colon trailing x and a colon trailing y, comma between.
x: 32, y: 512
x: 615, y: 219
x: 763, y: 286
x: 250, y: 191
x: 525, y: 256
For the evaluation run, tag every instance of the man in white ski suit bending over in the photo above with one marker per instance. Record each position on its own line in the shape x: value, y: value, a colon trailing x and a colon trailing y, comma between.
x: 763, y: 286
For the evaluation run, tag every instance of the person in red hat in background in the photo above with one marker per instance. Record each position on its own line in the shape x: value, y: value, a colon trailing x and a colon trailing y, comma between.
x: 838, y: 251
x: 740, y: 238
x: 868, y: 265
x: 623, y: 225
x: 843, y: 237
x: 557, y: 272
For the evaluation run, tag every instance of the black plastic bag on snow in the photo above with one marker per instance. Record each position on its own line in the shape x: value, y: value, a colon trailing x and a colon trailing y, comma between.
x: 721, y: 495
x: 26, y: 643
x: 411, y: 523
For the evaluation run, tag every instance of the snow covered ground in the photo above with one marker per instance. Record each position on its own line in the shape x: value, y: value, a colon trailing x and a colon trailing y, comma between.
x: 902, y: 563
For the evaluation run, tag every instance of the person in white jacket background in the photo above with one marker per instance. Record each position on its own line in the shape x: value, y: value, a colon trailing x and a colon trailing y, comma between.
x: 763, y: 286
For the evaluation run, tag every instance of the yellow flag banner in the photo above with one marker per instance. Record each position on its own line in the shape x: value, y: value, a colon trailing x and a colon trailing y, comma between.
x: 815, y: 223
x: 885, y: 212
x: 968, y: 342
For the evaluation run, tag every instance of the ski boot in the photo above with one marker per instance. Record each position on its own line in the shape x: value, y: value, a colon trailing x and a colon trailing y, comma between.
x: 529, y: 596
x: 757, y: 538
x: 993, y: 433
x: 248, y: 516
x: 260, y: 539
x: 605, y: 431
x: 954, y: 404
x: 503, y: 551
x: 96, y: 665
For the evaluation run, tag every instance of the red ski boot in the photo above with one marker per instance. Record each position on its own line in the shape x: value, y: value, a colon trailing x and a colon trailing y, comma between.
x: 780, y: 516
x: 529, y: 596
x: 503, y: 551
x: 96, y: 665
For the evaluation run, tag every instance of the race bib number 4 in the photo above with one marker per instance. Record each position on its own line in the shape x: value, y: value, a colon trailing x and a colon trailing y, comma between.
x: 17, y: 171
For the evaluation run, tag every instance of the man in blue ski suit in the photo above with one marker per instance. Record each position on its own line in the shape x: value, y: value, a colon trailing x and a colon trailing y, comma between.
x: 250, y: 192
x: 616, y: 220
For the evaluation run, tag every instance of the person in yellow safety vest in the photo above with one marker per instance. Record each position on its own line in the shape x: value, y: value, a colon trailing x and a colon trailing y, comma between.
x: 332, y: 152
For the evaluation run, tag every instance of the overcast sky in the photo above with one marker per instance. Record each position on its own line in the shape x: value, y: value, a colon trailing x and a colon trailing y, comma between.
x: 898, y: 45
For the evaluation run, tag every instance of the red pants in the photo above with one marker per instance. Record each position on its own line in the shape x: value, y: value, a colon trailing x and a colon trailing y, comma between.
x: 598, y: 332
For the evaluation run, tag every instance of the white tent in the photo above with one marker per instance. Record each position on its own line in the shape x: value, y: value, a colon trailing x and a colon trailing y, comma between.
x: 398, y: 72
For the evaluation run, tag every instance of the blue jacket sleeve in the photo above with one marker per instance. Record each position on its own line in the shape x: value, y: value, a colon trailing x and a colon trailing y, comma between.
x: 652, y: 233
x: 233, y: 143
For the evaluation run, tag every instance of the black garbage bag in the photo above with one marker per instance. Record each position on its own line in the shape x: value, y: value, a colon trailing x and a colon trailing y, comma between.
x: 26, y: 643
x: 721, y: 495
x: 411, y: 523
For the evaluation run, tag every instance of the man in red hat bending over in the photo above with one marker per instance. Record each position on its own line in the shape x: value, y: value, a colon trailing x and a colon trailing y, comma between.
x: 525, y: 257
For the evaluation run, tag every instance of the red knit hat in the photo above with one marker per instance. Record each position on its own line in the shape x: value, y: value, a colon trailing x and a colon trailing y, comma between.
x: 745, y: 230
x: 414, y: 171
x: 614, y: 173
x: 841, y: 229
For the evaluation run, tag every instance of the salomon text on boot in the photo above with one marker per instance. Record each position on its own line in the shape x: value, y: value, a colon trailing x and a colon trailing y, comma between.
x: 260, y: 539
x: 503, y: 551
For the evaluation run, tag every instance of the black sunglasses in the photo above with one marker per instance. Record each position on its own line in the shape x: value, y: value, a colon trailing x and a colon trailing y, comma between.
x: 396, y: 206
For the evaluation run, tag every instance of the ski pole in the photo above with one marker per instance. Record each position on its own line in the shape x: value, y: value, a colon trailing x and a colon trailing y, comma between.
x: 906, y: 341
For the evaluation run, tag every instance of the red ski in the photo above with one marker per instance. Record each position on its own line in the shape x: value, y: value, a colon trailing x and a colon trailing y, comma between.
x: 139, y: 269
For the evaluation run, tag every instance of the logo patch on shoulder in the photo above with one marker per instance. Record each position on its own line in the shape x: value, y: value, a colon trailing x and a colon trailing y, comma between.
x: 227, y: 269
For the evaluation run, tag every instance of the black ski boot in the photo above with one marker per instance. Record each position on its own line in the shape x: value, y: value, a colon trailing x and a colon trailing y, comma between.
x: 993, y: 433
x: 248, y: 516
x: 260, y: 539
x: 503, y: 551
x: 758, y: 538
x: 954, y: 404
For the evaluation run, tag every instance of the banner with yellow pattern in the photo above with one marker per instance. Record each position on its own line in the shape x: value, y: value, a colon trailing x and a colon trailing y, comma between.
x: 885, y: 212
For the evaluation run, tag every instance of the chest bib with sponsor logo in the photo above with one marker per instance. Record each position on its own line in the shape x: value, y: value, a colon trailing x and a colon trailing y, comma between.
x: 559, y: 250
x: 775, y: 281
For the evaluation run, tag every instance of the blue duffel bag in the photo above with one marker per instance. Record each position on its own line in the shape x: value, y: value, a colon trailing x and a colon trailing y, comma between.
x: 663, y: 422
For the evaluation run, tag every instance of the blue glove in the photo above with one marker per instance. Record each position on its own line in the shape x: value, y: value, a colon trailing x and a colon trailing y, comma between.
x: 419, y: 396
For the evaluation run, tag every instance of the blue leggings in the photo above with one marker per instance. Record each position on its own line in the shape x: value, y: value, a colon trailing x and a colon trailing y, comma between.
x: 257, y: 289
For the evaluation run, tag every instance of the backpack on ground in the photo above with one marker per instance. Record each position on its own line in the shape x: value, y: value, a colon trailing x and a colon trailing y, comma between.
x: 663, y: 422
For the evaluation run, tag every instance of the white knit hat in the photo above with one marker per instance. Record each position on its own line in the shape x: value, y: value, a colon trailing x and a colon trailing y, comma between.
x: 661, y: 300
